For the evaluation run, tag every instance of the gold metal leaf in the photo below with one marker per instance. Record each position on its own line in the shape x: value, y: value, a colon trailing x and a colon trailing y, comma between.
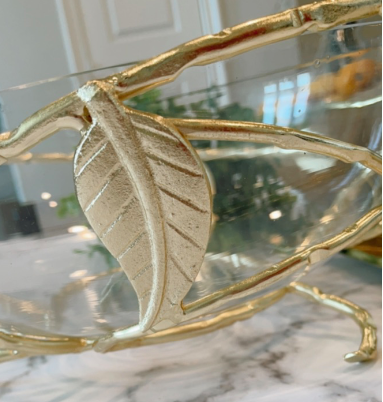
x: 144, y: 191
x: 127, y: 159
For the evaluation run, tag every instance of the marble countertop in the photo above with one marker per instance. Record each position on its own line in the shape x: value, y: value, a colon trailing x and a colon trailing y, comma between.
x: 290, y: 352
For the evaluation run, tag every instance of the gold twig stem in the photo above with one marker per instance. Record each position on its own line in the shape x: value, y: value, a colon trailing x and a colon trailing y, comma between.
x: 233, y: 41
x: 240, y: 313
x: 282, y: 137
x: 66, y: 112
x: 368, y: 345
x: 285, y: 268
x: 27, y: 346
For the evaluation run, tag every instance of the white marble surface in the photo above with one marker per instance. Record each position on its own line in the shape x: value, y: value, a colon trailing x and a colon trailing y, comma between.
x: 290, y: 352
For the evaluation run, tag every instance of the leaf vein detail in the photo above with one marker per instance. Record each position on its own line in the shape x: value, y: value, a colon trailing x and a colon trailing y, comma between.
x: 132, y: 244
x: 147, y: 130
x: 182, y: 169
x: 180, y: 269
x: 145, y: 294
x: 184, y: 201
x: 184, y: 235
x: 125, y: 209
x: 85, y: 137
x: 112, y: 174
x: 142, y: 271
x: 92, y: 158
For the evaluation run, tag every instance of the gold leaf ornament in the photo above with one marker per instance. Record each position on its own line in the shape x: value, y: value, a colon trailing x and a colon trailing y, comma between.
x: 145, y: 193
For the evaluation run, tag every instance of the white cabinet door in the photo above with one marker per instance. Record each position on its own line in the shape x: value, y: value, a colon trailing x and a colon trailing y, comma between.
x: 112, y: 32
x: 103, y: 33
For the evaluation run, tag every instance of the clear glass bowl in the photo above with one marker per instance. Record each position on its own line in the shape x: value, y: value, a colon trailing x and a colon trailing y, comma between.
x: 269, y: 203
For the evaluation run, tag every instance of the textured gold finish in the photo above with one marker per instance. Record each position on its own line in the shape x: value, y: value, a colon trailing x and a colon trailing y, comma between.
x: 36, y: 345
x: 261, y: 281
x: 64, y: 113
x: 282, y: 137
x: 67, y: 112
x: 230, y: 42
x: 141, y: 167
x: 368, y: 346
x: 145, y: 193
x: 367, y: 349
x: 232, y: 131
x: 242, y: 312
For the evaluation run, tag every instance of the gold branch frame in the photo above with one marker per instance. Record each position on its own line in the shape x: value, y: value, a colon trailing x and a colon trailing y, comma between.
x: 96, y: 111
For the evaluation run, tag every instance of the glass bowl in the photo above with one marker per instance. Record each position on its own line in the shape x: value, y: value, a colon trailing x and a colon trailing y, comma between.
x: 58, y: 280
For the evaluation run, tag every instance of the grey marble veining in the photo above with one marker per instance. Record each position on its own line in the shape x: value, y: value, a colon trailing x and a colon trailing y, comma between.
x: 290, y: 352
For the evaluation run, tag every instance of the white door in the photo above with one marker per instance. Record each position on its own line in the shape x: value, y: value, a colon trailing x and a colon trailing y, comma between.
x: 111, y: 32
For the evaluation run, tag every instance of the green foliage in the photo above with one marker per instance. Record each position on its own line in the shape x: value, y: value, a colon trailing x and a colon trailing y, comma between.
x: 152, y: 102
x: 243, y: 202
x: 148, y: 102
x: 236, y: 112
x: 365, y: 257
x: 68, y: 206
